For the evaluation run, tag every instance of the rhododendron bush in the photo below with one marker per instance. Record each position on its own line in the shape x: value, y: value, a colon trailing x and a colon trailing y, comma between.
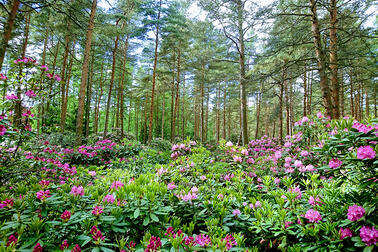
x: 316, y: 191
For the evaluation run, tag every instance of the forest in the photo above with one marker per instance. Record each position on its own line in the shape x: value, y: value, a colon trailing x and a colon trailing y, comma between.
x: 188, y: 125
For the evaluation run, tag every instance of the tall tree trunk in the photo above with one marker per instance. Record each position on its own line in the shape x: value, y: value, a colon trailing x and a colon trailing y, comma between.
x: 243, y: 95
x: 183, y: 109
x: 173, y: 91
x: 122, y: 86
x: 258, y: 102
x: 89, y: 97
x: 229, y: 122
x: 305, y: 92
x: 351, y: 93
x: 111, y: 86
x: 202, y: 102
x: 309, y: 96
x: 333, y: 59
x: 224, y: 112
x: 281, y: 97
x: 67, y: 86
x: 321, y: 60
x: 367, y: 103
x: 84, y: 74
x: 154, y: 75
x: 8, y: 30
x: 177, y: 93
x: 136, y: 120
x: 342, y: 103
x: 217, y: 108
x: 285, y: 83
x: 64, y: 82
x: 98, y: 101
x: 162, y: 116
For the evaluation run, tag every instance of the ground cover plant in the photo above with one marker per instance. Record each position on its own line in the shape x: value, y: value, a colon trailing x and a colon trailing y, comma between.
x: 316, y: 191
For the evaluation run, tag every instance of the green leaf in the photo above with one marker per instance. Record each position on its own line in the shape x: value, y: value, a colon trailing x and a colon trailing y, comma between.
x: 369, y: 249
x: 154, y: 217
x: 96, y: 249
x: 146, y: 220
x: 136, y: 213
x: 106, y: 249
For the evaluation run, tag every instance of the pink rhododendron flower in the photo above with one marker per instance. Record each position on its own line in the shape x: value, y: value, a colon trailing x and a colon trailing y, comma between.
x: 244, y: 152
x: 334, y: 163
x: 116, y: 184
x: 258, y: 204
x: 355, y: 212
x: 77, y: 190
x: 365, y: 152
x: 229, y: 144
x: 236, y: 212
x: 12, y: 240
x: 109, y: 198
x: 369, y: 235
x: 7, y: 203
x: 288, y: 223
x: 57, y: 77
x: 237, y: 159
x: 97, y: 210
x: 42, y: 195
x: 220, y: 196
x: 171, y: 186
x: 345, y: 233
x: 44, y: 68
x: 3, y: 77
x: 314, y: 201
x: 304, y: 153
x: 313, y: 216
x: 92, y: 173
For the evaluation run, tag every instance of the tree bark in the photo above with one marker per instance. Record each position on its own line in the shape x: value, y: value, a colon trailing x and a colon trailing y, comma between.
x: 122, y: 86
x: 84, y: 74
x: 98, y: 101
x: 111, y: 86
x: 177, y: 94
x: 305, y: 92
x: 63, y: 82
x: 321, y: 61
x: 333, y: 59
x: 224, y: 112
x: 8, y: 31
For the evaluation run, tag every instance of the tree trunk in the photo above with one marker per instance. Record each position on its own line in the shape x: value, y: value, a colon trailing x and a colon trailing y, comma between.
x: 122, y: 86
x: 84, y: 74
x: 202, y: 103
x: 280, y: 117
x: 305, y: 92
x: 67, y: 86
x: 162, y: 116
x: 8, y: 30
x: 224, y: 113
x: 258, y: 102
x: 351, y: 93
x: 98, y: 101
x: 243, y: 95
x: 177, y: 94
x: 111, y: 86
x: 342, y: 104
x: 183, y: 109
x: 333, y: 60
x: 173, y: 91
x: 89, y: 97
x: 154, y: 75
x: 321, y: 61
x: 64, y: 82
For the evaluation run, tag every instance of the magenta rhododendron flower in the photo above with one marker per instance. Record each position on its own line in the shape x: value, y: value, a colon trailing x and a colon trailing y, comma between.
x: 109, y: 198
x: 37, y: 248
x: 92, y: 173
x: 244, y: 152
x: 334, y: 163
x: 154, y: 244
x: 65, y: 216
x: 44, y: 68
x: 57, y: 77
x: 3, y: 129
x: 229, y: 144
x: 76, y: 248
x: 7, y: 203
x: 355, y: 212
x: 313, y: 216
x: 77, y: 190
x: 42, y: 195
x: 314, y: 201
x: 64, y: 245
x: 369, y: 235
x: 3, y: 77
x: 365, y: 152
x: 230, y: 241
x: 96, y: 234
x: 11, y: 97
x: 258, y: 204
x: 30, y: 93
x: 296, y: 190
x: 288, y: 223
x: 97, y: 210
x: 12, y: 240
x: 345, y: 233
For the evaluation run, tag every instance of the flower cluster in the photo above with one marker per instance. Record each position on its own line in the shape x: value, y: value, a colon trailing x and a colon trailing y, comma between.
x: 355, y: 212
